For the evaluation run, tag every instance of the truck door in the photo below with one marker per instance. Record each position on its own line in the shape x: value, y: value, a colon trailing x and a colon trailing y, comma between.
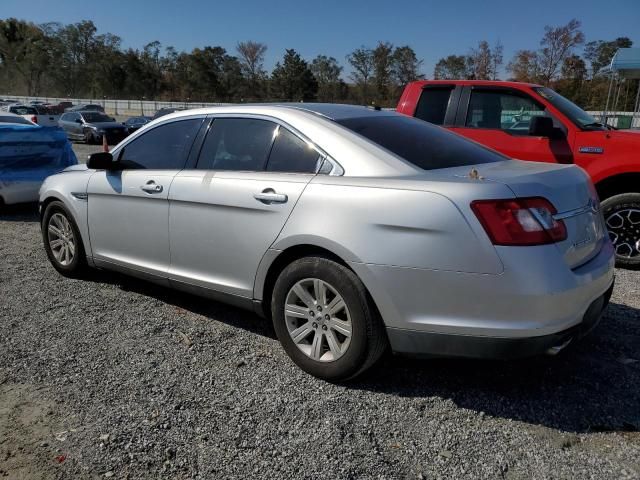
x: 499, y: 118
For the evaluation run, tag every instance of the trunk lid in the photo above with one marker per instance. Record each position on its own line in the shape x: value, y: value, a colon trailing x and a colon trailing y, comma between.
x: 567, y: 187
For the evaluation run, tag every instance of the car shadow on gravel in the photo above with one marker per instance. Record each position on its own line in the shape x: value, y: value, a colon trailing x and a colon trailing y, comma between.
x: 228, y: 314
x: 591, y: 386
x: 21, y: 212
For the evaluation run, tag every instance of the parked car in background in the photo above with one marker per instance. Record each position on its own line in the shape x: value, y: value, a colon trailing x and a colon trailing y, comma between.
x: 32, y: 113
x: 12, y: 118
x: 92, y: 126
x: 351, y: 228
x: 166, y: 111
x: 85, y: 106
x: 28, y: 154
x: 532, y: 122
x: 61, y: 107
x: 134, y: 123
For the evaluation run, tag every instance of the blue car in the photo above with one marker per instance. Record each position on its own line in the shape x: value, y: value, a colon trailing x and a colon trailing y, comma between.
x: 29, y: 154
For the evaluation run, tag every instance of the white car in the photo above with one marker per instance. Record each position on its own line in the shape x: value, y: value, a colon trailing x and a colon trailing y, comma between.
x: 30, y: 113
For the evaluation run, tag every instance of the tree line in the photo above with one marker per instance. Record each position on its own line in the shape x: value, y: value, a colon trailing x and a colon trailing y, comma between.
x: 75, y: 60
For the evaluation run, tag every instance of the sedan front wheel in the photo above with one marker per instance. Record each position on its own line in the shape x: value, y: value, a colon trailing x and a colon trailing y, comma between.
x: 62, y: 240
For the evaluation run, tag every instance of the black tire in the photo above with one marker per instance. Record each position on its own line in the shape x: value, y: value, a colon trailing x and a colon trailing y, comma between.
x: 78, y: 264
x: 368, y: 337
x: 621, y: 208
x: 88, y: 137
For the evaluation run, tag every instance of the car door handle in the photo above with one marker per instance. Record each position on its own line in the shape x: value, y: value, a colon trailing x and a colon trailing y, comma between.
x: 269, y: 196
x: 151, y: 187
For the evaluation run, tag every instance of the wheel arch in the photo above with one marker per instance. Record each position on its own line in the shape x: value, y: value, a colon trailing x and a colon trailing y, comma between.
x: 75, y: 213
x: 628, y: 182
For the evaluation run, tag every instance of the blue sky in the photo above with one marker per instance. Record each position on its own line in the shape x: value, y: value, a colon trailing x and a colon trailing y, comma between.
x: 331, y: 27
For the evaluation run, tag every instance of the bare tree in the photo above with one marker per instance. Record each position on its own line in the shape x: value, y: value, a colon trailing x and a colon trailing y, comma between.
x: 497, y: 59
x: 361, y: 60
x: 557, y: 44
x: 525, y: 66
x: 252, y: 57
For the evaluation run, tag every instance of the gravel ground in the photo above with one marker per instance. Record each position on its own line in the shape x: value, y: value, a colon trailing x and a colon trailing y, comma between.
x: 115, y: 377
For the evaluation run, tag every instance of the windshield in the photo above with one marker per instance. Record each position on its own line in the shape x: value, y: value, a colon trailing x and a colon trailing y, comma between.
x: 424, y: 145
x: 573, y: 112
x: 95, y: 117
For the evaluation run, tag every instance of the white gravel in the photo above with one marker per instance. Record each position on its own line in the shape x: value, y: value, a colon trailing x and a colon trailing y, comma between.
x: 115, y: 377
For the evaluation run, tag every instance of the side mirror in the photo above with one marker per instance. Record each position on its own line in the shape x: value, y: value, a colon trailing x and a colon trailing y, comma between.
x: 541, y: 127
x: 102, y: 161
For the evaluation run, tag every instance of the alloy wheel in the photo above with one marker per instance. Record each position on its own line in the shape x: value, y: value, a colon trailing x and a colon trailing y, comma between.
x: 624, y: 232
x: 61, y: 239
x: 318, y: 320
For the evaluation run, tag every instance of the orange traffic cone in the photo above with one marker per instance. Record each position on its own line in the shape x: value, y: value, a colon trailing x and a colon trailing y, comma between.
x: 105, y: 145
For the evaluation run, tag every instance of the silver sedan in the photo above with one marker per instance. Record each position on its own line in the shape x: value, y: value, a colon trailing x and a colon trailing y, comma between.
x: 353, y: 230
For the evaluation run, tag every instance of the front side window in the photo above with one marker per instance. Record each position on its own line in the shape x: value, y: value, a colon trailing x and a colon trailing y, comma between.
x: 577, y: 115
x: 502, y: 110
x: 241, y: 144
x: 433, y: 103
x: 291, y: 154
x: 420, y: 143
x: 165, y: 147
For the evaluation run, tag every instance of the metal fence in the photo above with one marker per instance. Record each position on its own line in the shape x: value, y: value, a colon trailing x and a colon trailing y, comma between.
x: 117, y: 107
x: 149, y: 107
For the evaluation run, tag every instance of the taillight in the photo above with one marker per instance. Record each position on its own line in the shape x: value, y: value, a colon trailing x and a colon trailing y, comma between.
x: 34, y: 119
x: 520, y: 221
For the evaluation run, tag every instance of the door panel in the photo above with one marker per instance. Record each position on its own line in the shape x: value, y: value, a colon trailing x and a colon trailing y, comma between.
x: 128, y: 212
x: 219, y: 230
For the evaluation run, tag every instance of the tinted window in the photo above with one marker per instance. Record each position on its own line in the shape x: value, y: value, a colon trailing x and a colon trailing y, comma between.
x: 433, y: 103
x: 237, y: 144
x: 95, y: 117
x: 502, y: 110
x: 23, y: 110
x: 163, y: 147
x: 420, y: 143
x: 291, y: 154
x: 20, y: 120
x: 570, y: 109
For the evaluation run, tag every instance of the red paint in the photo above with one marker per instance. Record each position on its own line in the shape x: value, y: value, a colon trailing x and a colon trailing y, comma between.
x: 621, y: 149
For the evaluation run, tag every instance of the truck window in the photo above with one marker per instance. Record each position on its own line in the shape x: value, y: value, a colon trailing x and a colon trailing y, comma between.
x: 433, y: 103
x: 502, y: 110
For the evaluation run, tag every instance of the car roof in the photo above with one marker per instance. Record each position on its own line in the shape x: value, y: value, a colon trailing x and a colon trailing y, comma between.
x: 338, y: 111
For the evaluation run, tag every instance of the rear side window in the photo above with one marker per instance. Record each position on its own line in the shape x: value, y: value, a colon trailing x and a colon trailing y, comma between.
x: 420, y: 143
x: 240, y: 144
x: 291, y: 154
x: 433, y: 103
x: 165, y: 147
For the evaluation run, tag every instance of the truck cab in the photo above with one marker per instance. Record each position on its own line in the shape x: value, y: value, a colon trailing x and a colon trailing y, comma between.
x: 532, y: 122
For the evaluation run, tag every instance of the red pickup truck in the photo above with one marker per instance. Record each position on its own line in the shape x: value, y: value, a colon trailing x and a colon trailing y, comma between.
x: 532, y: 122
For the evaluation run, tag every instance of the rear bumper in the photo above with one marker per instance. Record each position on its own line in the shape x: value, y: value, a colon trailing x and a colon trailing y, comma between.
x: 417, y: 343
x: 535, y: 304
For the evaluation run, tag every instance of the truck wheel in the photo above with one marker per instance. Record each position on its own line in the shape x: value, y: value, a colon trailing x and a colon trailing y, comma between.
x: 326, y: 320
x: 88, y: 137
x: 622, y: 217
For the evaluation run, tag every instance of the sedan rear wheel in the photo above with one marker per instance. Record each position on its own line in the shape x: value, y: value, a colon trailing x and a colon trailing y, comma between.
x: 326, y: 320
x: 622, y: 217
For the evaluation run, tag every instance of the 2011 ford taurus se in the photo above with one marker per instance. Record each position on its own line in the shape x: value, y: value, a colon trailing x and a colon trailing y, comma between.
x: 352, y: 229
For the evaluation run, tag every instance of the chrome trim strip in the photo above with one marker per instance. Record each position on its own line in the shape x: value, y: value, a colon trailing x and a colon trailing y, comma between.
x: 591, y: 207
x: 80, y: 195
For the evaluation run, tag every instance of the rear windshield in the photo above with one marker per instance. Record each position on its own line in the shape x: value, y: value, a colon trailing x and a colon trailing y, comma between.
x: 7, y: 119
x: 420, y: 143
x: 95, y: 117
x: 23, y: 110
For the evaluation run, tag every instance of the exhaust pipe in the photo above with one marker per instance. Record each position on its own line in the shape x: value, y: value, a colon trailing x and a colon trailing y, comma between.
x: 558, y: 348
